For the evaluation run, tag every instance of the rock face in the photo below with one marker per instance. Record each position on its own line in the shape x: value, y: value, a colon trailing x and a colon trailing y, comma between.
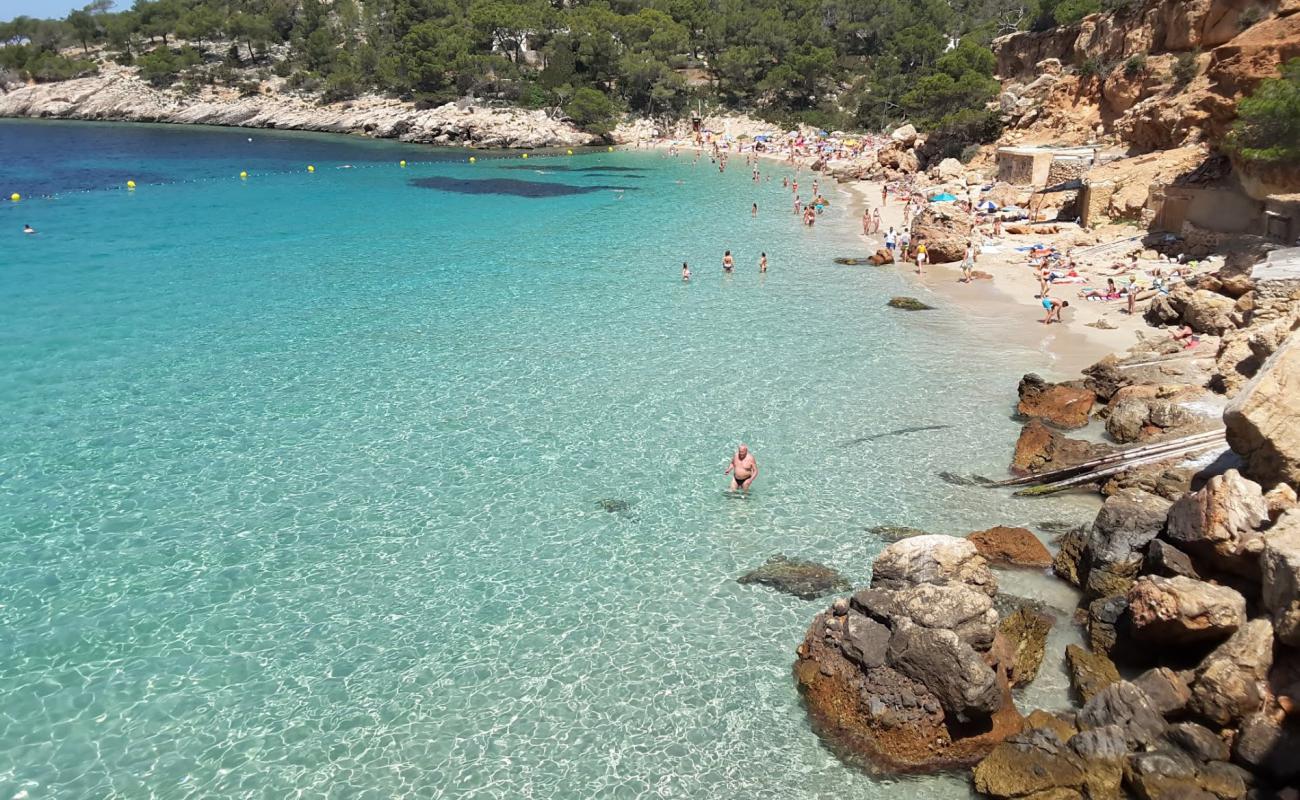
x: 804, y: 579
x: 117, y: 94
x: 1263, y: 426
x: 1280, y: 579
x: 912, y: 672
x: 1053, y: 761
x: 1179, y: 611
x: 1017, y: 547
x: 1054, y: 403
x: 945, y: 230
x: 1220, y: 523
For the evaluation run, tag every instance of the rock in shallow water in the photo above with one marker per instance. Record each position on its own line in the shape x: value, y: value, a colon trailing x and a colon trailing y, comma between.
x: 908, y: 304
x: 1016, y: 547
x: 807, y: 580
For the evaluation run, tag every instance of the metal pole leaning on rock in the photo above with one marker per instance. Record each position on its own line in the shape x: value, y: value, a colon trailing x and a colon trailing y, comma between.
x: 1090, y: 477
x: 1131, y: 454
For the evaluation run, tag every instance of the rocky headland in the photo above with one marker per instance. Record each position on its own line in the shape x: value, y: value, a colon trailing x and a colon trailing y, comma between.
x: 118, y: 94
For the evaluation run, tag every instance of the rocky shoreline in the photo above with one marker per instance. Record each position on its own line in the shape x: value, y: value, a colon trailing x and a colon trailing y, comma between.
x: 117, y: 95
x: 1190, y: 576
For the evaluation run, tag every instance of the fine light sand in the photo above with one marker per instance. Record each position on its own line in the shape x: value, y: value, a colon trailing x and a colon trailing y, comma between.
x: 1007, y: 302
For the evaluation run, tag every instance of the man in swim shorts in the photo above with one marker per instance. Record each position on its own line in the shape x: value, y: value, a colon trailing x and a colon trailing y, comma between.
x: 728, y: 263
x: 743, y: 469
x: 1053, y: 307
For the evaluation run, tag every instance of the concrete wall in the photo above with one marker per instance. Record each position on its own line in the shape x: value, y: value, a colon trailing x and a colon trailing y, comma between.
x: 1024, y: 169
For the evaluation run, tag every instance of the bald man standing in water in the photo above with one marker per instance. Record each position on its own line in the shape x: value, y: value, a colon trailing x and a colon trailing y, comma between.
x: 743, y: 469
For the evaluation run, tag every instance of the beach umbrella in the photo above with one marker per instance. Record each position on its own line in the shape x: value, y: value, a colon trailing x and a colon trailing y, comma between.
x: 942, y: 197
x: 988, y: 205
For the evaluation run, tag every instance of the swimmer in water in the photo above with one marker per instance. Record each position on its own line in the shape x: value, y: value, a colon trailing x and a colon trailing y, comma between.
x: 762, y: 263
x: 28, y: 229
x: 686, y: 271
x: 728, y: 263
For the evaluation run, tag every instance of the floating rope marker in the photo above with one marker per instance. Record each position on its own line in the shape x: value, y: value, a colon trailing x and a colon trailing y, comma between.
x: 472, y: 159
x: 311, y: 168
x: 401, y: 163
x: 243, y: 175
x: 15, y: 197
x: 130, y: 184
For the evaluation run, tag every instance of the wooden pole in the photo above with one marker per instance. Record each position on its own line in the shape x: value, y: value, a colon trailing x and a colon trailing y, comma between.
x: 1124, y: 455
x: 1092, y: 477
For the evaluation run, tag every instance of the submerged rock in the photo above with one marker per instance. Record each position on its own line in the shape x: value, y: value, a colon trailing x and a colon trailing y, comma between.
x: 894, y: 533
x: 613, y: 505
x: 908, y: 304
x: 807, y: 580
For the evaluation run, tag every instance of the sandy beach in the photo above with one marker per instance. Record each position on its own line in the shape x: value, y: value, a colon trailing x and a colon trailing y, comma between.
x: 1008, y: 300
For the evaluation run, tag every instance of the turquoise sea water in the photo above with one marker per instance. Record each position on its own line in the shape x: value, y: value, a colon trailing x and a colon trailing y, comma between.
x: 300, y: 475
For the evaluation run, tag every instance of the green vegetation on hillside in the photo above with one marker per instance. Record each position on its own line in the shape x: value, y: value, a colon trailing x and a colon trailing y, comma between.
x: 1267, y: 129
x: 832, y: 63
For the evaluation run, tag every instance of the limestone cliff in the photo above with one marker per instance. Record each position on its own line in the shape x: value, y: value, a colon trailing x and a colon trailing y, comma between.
x: 1155, y: 75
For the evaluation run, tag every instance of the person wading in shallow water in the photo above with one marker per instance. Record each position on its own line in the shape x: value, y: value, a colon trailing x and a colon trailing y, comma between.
x: 743, y: 469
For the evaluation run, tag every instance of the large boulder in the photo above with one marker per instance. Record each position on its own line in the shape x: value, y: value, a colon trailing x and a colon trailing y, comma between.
x: 1040, y: 449
x: 1016, y: 547
x: 966, y: 686
x: 911, y: 672
x: 1166, y: 688
x: 949, y: 169
x: 1180, y: 611
x: 905, y: 135
x: 1263, y: 426
x: 945, y: 230
x: 1057, y: 404
x: 1280, y: 578
x: 1220, y: 523
x: 1127, y: 522
x: 1229, y: 683
x: 804, y: 579
x: 1208, y: 312
x: 932, y: 559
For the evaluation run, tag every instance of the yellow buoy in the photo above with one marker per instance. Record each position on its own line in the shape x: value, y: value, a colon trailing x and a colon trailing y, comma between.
x: 570, y: 152
x: 15, y: 197
x: 472, y: 159
x: 310, y: 168
x: 130, y: 184
x: 243, y: 175
x: 610, y: 149
x: 402, y: 162
x: 525, y: 155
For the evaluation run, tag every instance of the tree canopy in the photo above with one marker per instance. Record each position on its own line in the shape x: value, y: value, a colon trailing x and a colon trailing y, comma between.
x: 833, y: 63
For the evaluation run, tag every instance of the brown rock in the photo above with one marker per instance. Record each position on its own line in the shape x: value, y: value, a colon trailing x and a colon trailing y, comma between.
x: 945, y: 230
x: 1017, y: 547
x: 1056, y: 404
x: 1179, y: 611
x: 1221, y: 522
x: 1089, y: 672
x: 1230, y: 683
x: 1025, y: 631
x: 1039, y: 449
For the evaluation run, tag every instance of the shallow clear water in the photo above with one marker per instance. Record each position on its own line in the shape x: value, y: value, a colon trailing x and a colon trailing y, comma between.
x: 299, y: 475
